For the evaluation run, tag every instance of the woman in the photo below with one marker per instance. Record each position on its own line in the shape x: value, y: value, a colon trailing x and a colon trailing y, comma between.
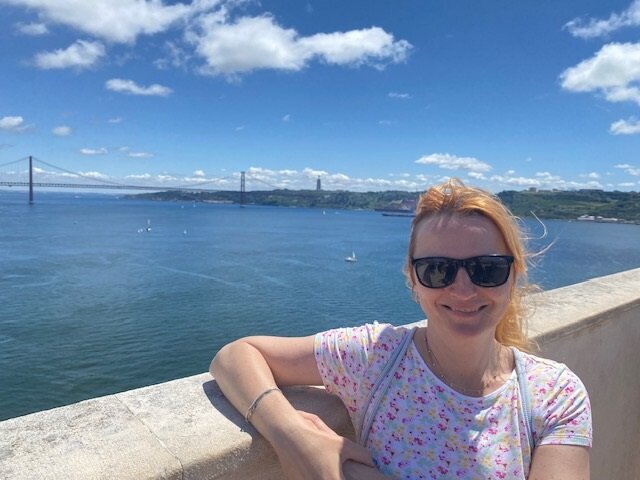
x: 460, y: 399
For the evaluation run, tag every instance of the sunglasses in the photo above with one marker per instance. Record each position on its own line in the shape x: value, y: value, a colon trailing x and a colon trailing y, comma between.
x: 483, y: 270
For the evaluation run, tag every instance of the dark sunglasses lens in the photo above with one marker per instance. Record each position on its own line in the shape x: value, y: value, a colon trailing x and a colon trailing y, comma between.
x: 436, y: 272
x: 488, y: 271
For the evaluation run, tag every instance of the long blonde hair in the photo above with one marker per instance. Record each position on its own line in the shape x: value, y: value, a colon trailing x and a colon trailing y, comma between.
x: 453, y: 197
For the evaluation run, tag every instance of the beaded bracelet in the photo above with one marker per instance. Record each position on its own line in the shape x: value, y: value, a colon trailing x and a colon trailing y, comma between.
x: 254, y: 404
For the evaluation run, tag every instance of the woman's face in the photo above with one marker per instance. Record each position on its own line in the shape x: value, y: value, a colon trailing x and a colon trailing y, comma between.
x: 461, y: 308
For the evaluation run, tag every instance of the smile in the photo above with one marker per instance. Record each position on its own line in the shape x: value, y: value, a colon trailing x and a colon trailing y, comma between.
x: 464, y: 310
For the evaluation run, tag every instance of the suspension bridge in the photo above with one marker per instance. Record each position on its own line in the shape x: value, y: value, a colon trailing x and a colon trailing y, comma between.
x: 36, y: 177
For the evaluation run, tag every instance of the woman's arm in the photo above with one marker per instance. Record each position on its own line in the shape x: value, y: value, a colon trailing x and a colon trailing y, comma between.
x: 306, y: 450
x: 560, y: 462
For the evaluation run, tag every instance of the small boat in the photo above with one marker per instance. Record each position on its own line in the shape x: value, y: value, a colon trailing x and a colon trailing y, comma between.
x: 352, y: 258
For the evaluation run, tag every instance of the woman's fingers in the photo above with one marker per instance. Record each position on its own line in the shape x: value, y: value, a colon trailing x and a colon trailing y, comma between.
x: 353, y: 451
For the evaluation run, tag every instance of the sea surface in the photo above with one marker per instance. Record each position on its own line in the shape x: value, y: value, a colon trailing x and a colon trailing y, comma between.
x: 93, y: 303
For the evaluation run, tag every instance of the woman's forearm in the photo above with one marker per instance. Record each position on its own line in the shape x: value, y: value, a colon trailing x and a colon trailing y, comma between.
x: 243, y: 374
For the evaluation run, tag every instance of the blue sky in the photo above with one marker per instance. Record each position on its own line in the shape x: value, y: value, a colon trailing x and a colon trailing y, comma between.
x: 368, y: 95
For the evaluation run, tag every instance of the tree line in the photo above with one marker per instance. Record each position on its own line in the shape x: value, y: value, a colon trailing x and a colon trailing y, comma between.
x: 624, y: 206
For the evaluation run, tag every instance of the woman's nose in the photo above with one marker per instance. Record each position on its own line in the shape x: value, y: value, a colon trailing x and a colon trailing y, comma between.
x: 462, y: 284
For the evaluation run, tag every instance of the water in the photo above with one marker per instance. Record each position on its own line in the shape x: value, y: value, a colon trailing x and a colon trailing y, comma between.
x: 93, y: 304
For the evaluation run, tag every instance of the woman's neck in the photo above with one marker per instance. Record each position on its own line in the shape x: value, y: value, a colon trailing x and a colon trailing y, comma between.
x: 474, y: 366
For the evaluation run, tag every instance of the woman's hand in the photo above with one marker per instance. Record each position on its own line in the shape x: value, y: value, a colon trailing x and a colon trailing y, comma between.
x: 314, y: 451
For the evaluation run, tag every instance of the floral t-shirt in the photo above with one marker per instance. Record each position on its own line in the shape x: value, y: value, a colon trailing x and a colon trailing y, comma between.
x: 423, y: 429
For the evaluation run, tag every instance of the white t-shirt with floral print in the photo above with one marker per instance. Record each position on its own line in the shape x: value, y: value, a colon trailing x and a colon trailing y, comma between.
x: 423, y: 429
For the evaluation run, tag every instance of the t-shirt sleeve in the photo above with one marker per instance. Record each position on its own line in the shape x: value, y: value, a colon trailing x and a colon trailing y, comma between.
x: 566, y: 411
x: 342, y: 356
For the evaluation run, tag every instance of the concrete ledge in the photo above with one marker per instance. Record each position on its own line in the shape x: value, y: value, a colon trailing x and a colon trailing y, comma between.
x: 185, y: 429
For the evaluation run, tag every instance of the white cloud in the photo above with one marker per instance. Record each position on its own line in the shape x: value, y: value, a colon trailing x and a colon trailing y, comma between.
x: 198, y: 173
x: 260, y: 178
x: 591, y: 175
x: 115, y: 120
x: 96, y: 175
x: 139, y: 155
x: 512, y: 181
x: 119, y: 21
x: 544, y: 180
x: 229, y: 47
x: 143, y: 176
x: 477, y: 175
x: 62, y: 131
x: 253, y: 43
x: 597, y: 28
x: 625, y: 127
x: 132, y: 88
x: 614, y: 71
x: 81, y: 54
x: 93, y: 151
x: 452, y: 162
x: 32, y: 29
x: 13, y: 124
x: 630, y: 169
x: 402, y: 96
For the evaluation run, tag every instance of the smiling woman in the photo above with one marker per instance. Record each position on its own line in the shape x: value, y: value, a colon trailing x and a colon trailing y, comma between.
x: 459, y: 396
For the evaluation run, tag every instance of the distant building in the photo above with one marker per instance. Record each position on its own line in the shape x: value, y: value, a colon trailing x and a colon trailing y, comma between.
x: 318, y: 185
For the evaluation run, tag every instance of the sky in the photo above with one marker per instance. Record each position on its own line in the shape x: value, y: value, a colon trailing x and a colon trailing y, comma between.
x: 365, y: 95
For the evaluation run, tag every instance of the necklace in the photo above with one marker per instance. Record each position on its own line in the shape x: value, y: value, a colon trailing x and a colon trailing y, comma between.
x: 440, y: 374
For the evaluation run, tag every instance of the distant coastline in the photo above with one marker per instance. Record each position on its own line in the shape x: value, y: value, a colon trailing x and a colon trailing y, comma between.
x: 583, y: 205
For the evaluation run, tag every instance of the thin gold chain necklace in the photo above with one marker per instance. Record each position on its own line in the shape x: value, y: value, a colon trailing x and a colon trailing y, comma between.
x: 440, y: 374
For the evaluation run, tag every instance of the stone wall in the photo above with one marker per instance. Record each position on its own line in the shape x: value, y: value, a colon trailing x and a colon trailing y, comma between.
x: 185, y: 429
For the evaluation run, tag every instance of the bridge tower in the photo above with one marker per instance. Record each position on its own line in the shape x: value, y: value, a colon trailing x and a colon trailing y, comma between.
x: 30, y: 180
x: 242, y: 189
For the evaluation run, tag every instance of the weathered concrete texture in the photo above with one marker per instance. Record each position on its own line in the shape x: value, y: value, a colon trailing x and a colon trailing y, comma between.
x: 191, y: 417
x: 95, y: 439
x: 560, y: 312
x: 603, y: 348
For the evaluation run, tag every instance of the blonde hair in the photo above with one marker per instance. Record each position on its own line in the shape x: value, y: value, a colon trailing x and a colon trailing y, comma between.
x: 453, y: 197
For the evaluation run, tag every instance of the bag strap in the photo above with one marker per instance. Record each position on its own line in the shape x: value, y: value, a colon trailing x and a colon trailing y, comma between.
x: 525, y: 397
x: 380, y: 387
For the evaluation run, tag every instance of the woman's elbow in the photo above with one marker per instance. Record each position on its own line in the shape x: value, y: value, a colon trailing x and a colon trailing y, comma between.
x: 221, y: 358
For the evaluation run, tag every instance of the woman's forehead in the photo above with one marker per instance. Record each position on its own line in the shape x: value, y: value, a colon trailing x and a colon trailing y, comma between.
x: 465, y: 232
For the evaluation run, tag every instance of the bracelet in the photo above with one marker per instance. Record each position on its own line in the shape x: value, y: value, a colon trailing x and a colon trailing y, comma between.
x: 254, y: 404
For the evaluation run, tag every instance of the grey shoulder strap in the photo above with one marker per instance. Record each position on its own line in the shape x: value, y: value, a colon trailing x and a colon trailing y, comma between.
x: 380, y: 387
x: 525, y: 396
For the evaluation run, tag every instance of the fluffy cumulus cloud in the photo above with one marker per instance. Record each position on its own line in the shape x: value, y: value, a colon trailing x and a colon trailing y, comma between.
x: 614, y: 71
x: 452, y: 162
x: 593, y: 27
x: 132, y: 88
x: 629, y: 169
x: 254, y: 43
x: 625, y: 127
x: 212, y: 33
x: 544, y: 180
x: 62, y: 131
x: 81, y: 54
x: 258, y: 178
x: 118, y: 21
x: 12, y: 124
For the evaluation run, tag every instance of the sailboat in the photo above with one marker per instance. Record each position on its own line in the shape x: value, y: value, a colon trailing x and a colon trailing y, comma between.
x: 352, y: 258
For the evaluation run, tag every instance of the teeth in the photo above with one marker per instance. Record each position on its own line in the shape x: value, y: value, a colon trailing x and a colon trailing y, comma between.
x: 465, y: 310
